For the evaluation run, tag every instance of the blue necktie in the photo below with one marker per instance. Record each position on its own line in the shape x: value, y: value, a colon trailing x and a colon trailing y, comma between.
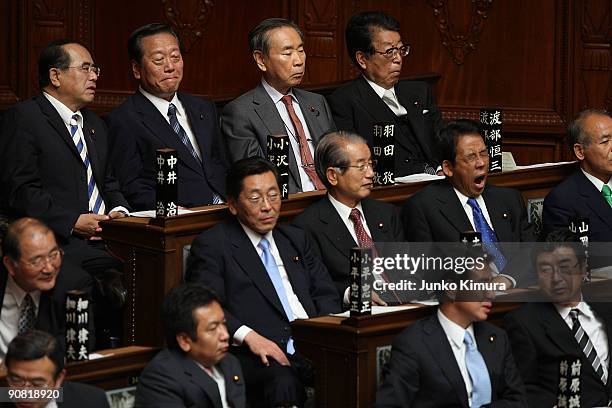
x: 96, y: 204
x: 277, y: 281
x: 489, y: 240
x: 481, y: 383
x: 216, y: 199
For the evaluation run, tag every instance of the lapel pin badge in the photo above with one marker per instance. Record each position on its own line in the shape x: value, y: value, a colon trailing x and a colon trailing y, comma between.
x: 505, y: 215
x: 315, y: 111
x: 236, y: 378
x: 93, y: 131
x: 492, y: 338
x: 295, y: 258
x: 380, y: 225
x: 201, y: 116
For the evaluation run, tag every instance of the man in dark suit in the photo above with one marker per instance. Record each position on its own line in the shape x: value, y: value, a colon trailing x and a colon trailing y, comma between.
x: 158, y: 116
x: 542, y: 333
x: 266, y: 276
x: 54, y: 165
x: 277, y: 107
x: 586, y: 193
x: 376, y: 48
x: 454, y: 358
x: 463, y: 201
x: 195, y: 370
x: 338, y: 221
x: 36, y: 360
x: 34, y: 282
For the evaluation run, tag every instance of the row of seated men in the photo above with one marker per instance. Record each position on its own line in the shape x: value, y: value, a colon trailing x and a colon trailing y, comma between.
x: 452, y: 358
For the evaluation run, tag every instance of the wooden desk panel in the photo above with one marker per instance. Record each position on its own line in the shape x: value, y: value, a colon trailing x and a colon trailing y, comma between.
x: 152, y: 249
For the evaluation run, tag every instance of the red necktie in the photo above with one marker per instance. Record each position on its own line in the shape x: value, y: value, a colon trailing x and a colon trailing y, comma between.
x: 305, y: 154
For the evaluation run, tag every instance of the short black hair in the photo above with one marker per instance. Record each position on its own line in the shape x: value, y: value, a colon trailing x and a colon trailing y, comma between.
x: 448, y: 136
x: 134, y: 41
x: 360, y: 28
x: 258, y: 36
x: 34, y: 345
x: 330, y: 153
x: 243, y: 168
x: 11, y: 246
x: 575, y: 130
x: 559, y: 238
x: 177, y: 310
x: 54, y: 55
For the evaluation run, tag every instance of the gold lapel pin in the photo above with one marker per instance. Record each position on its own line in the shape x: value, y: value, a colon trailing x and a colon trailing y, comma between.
x: 295, y: 258
x: 492, y: 338
x: 236, y: 378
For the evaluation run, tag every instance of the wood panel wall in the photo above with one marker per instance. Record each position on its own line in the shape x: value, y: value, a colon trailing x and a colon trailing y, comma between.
x: 541, y: 61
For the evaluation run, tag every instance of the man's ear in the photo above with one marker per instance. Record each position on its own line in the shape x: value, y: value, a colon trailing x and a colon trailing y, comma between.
x: 361, y: 59
x: 231, y: 204
x: 579, y: 151
x: 332, y: 176
x: 9, y: 264
x: 258, y: 56
x: 54, y: 77
x: 59, y: 380
x: 135, y: 69
x: 447, y: 168
x: 184, y: 342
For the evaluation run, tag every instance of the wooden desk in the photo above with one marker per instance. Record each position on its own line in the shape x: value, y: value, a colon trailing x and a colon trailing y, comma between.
x: 152, y: 249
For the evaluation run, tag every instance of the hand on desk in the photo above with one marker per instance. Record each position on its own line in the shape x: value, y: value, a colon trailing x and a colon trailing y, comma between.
x: 263, y: 347
x: 87, y: 225
x: 377, y: 300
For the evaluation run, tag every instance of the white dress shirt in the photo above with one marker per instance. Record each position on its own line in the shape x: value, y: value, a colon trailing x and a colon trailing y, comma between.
x: 455, y: 335
x: 592, y: 326
x: 276, y: 97
x: 66, y: 115
x: 217, y: 375
x: 399, y: 110
x: 162, y: 106
x: 296, y: 307
x: 11, y: 305
x: 596, y: 182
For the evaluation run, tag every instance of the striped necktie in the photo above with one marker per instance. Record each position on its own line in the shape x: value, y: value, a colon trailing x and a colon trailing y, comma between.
x: 587, y: 346
x: 489, y: 239
x: 96, y: 203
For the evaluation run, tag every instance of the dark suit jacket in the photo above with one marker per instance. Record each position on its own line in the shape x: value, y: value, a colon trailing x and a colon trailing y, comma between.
x: 577, y: 197
x: 247, y: 121
x: 76, y: 395
x: 423, y: 371
x: 434, y: 214
x: 173, y: 379
x: 138, y: 129
x: 540, y: 339
x: 224, y: 259
x: 42, y: 174
x: 356, y: 107
x: 51, y: 308
x: 334, y: 241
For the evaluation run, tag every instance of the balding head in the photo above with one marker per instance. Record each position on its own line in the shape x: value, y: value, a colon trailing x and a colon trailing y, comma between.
x: 21, y: 229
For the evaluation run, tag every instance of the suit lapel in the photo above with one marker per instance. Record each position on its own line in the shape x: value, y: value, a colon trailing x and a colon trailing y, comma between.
x: 159, y: 127
x: 231, y: 379
x: 487, y: 346
x: 248, y: 259
x: 594, y: 200
x: 310, y: 113
x: 272, y: 121
x: 497, y: 210
x: 441, y: 351
x: 334, y: 228
x: 450, y: 208
x: 373, y: 104
x: 414, y: 109
x: 195, y: 119
x: 56, y: 122
x: 378, y: 228
x: 557, y: 330
x: 201, y: 378
x: 89, y: 133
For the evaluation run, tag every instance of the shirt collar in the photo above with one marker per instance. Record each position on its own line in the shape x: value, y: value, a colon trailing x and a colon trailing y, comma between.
x: 344, y: 210
x: 583, y: 307
x: 64, y: 112
x: 274, y: 94
x: 162, y: 105
x: 596, y: 182
x: 380, y: 91
x: 463, y: 199
x: 19, y: 293
x: 453, y: 331
x: 255, y: 237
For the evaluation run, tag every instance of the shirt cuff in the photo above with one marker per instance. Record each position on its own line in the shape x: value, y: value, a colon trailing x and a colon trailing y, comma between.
x: 121, y: 209
x: 240, y: 334
x: 345, y: 298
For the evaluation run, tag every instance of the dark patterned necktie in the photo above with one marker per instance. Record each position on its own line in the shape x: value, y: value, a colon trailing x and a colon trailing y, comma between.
x: 587, y: 346
x: 27, y: 315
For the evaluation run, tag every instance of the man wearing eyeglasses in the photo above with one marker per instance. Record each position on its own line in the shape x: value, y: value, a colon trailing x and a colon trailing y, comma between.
x: 35, y: 361
x: 376, y: 48
x: 33, y: 282
x: 562, y: 324
x: 266, y: 276
x: 346, y: 217
x: 54, y: 165
x: 463, y: 201
x: 277, y: 107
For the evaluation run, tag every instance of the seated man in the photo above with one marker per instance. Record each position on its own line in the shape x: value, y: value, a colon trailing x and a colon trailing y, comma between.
x: 266, y: 276
x: 543, y: 333
x: 194, y: 369
x: 158, y: 116
x: 376, y: 48
x: 463, y: 201
x: 32, y: 289
x: 36, y: 360
x: 586, y: 193
x: 453, y: 358
x: 276, y: 106
x: 346, y: 217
